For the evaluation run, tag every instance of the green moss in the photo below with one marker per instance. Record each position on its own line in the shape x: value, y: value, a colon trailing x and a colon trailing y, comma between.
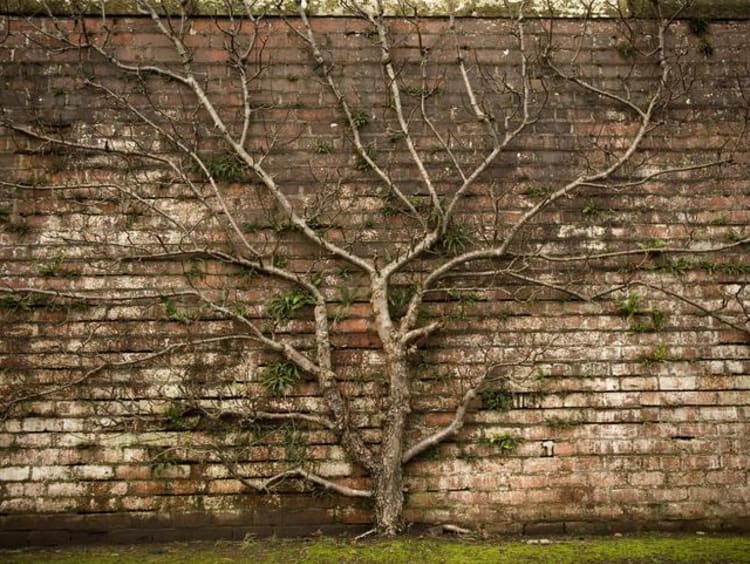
x: 636, y: 550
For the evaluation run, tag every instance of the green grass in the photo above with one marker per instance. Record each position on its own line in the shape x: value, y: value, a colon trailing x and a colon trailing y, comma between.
x: 630, y: 550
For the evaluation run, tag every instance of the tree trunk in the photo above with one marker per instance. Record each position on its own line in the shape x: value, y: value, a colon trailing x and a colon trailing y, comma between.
x: 388, y: 482
x: 389, y: 499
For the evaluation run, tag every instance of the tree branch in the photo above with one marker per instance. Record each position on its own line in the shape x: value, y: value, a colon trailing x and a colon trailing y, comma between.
x: 309, y: 38
x: 8, y: 405
x: 315, y: 479
x: 459, y: 416
x: 287, y: 416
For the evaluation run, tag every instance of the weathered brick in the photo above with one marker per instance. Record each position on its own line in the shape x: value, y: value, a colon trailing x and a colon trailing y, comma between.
x: 93, y: 472
x: 49, y: 473
x: 15, y: 473
x: 67, y: 489
x: 225, y: 486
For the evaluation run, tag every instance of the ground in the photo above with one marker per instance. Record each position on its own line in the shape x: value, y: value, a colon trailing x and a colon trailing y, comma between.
x: 694, y: 548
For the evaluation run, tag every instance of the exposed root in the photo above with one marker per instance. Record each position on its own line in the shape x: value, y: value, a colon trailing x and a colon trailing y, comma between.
x: 365, y: 534
x: 439, y: 530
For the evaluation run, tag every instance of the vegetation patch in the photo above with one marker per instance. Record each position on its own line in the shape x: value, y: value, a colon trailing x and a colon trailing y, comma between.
x: 282, y: 306
x: 278, y: 377
x: 632, y: 550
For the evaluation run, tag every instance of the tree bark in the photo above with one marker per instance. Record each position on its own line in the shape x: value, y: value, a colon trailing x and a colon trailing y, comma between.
x: 388, y: 484
x: 388, y: 481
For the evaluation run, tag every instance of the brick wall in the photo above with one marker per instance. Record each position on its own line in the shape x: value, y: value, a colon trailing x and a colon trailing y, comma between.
x: 640, y: 419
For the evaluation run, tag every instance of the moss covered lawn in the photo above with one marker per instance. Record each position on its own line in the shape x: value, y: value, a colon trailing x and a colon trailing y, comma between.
x: 628, y: 549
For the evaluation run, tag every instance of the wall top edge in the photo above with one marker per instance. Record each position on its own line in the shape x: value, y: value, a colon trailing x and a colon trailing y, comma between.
x: 711, y: 9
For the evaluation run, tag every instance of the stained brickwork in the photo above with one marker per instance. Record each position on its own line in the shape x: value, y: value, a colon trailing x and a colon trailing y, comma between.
x: 639, y: 413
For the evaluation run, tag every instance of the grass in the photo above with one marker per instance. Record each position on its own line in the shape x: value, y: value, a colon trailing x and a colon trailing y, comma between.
x: 630, y: 550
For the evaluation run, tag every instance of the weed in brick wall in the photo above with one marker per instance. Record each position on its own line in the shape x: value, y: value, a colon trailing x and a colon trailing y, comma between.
x: 631, y: 305
x: 658, y: 354
x: 705, y: 48
x: 196, y: 268
x: 280, y: 261
x: 38, y: 302
x: 360, y: 119
x: 316, y: 279
x: 223, y: 167
x: 497, y: 400
x: 58, y: 269
x: 456, y: 239
x: 701, y: 29
x: 733, y: 236
x: 20, y: 227
x: 253, y: 226
x: 320, y: 224
x: 698, y: 27
x: 173, y: 314
x: 590, y: 208
x: 347, y: 297
x: 626, y: 50
x: 653, y: 244
x: 399, y: 299
x: 391, y: 205
x: 181, y: 415
x: 281, y: 307
x: 504, y: 442
x: 395, y: 136
x: 322, y: 146
x: 641, y: 320
x: 561, y: 423
x: 162, y: 459
x: 295, y: 446
x: 657, y: 320
x: 537, y: 192
x: 279, y: 377
x: 677, y: 267
x: 132, y: 217
x: 730, y: 269
x: 274, y: 224
x: 466, y: 301
x: 360, y: 163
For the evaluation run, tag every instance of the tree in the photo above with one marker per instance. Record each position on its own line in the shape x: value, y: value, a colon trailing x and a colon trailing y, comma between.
x: 424, y: 211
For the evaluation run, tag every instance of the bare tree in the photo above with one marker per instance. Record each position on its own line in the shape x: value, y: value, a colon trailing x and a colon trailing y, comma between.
x: 417, y: 205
